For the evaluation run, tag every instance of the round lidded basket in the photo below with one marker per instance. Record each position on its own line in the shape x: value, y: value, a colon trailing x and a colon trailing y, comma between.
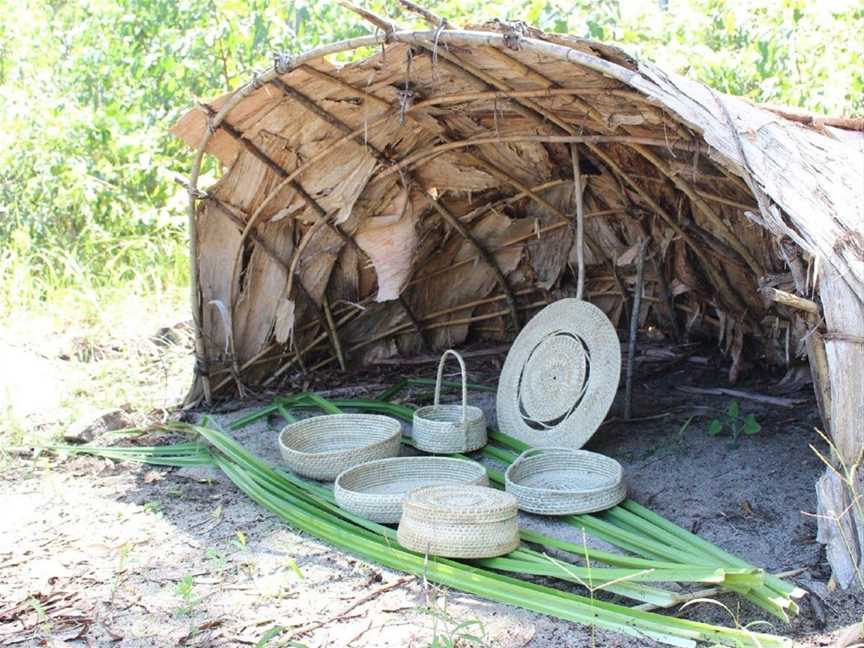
x: 375, y: 490
x: 444, y: 429
x: 564, y: 481
x: 459, y: 521
x: 321, y: 447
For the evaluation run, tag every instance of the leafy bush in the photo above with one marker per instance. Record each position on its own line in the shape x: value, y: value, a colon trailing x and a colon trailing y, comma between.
x: 89, y: 88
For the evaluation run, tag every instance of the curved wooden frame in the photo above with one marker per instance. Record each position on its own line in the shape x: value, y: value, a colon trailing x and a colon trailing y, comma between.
x: 821, y: 220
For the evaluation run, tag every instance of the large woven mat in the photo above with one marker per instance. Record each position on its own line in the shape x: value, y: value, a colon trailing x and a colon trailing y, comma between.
x: 560, y: 376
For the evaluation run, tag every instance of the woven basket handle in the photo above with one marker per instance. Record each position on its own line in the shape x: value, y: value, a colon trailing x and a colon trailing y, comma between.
x: 534, y: 452
x: 464, y: 382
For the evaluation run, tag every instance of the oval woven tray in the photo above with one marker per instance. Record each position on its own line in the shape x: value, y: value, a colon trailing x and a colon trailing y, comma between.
x: 323, y: 446
x: 375, y: 490
x: 459, y: 522
x: 445, y: 429
x: 563, y: 481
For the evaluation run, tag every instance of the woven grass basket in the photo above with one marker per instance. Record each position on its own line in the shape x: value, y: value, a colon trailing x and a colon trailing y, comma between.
x: 375, y: 490
x: 564, y: 481
x: 444, y: 429
x: 459, y: 521
x: 321, y: 447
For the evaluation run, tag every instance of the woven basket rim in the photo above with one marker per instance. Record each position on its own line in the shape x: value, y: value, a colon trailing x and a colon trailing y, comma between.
x: 522, y: 460
x: 386, y: 421
x: 471, y: 409
x: 389, y: 461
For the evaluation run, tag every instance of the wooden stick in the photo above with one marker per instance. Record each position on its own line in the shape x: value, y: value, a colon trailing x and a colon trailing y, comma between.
x: 427, y: 15
x: 331, y: 325
x: 385, y: 25
x: 580, y: 220
x: 427, y: 322
x: 725, y: 290
x: 485, y: 255
x: 788, y: 299
x: 432, y: 152
x: 322, y: 114
x: 402, y: 328
x: 427, y: 318
x: 290, y: 270
x: 668, y: 300
x: 738, y: 393
x: 727, y: 201
x: 634, y: 328
x: 722, y: 227
x: 432, y: 359
x: 424, y: 339
x: 342, y: 127
x: 732, y: 298
x: 202, y: 370
x: 621, y: 289
x: 483, y: 164
x: 323, y: 336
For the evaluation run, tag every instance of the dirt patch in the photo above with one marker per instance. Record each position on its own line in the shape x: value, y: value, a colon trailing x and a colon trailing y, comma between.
x: 95, y: 552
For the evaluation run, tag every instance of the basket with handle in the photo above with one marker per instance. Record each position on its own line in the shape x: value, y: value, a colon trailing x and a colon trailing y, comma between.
x: 564, y: 481
x: 321, y: 447
x: 444, y: 429
x: 459, y: 521
x: 375, y: 490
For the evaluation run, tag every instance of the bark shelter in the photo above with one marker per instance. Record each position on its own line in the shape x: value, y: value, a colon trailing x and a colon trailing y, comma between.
x: 425, y: 195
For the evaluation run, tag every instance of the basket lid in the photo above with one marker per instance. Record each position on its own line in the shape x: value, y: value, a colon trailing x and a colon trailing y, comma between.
x: 560, y: 376
x: 460, y: 503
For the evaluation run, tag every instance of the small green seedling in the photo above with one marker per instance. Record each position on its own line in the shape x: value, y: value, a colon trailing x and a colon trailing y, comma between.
x: 270, y: 634
x: 294, y: 567
x: 239, y: 540
x: 41, y: 615
x: 185, y: 589
x: 217, y: 561
x: 734, y: 423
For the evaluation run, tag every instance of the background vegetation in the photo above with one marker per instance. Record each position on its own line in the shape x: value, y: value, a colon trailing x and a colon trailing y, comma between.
x: 91, y: 220
x: 89, y: 88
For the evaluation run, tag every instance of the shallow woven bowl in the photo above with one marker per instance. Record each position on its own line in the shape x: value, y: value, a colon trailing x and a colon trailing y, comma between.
x: 563, y: 481
x: 323, y: 446
x: 375, y: 490
x: 459, y: 521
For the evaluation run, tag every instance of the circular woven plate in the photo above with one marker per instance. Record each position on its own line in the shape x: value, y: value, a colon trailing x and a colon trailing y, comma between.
x: 375, y: 490
x: 560, y: 376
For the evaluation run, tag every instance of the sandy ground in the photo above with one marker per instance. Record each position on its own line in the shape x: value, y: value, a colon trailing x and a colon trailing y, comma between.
x: 96, y: 553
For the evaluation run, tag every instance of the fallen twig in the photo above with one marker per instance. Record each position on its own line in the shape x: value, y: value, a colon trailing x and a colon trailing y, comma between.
x: 344, y: 613
x: 634, y: 328
x: 738, y: 393
x: 431, y: 359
